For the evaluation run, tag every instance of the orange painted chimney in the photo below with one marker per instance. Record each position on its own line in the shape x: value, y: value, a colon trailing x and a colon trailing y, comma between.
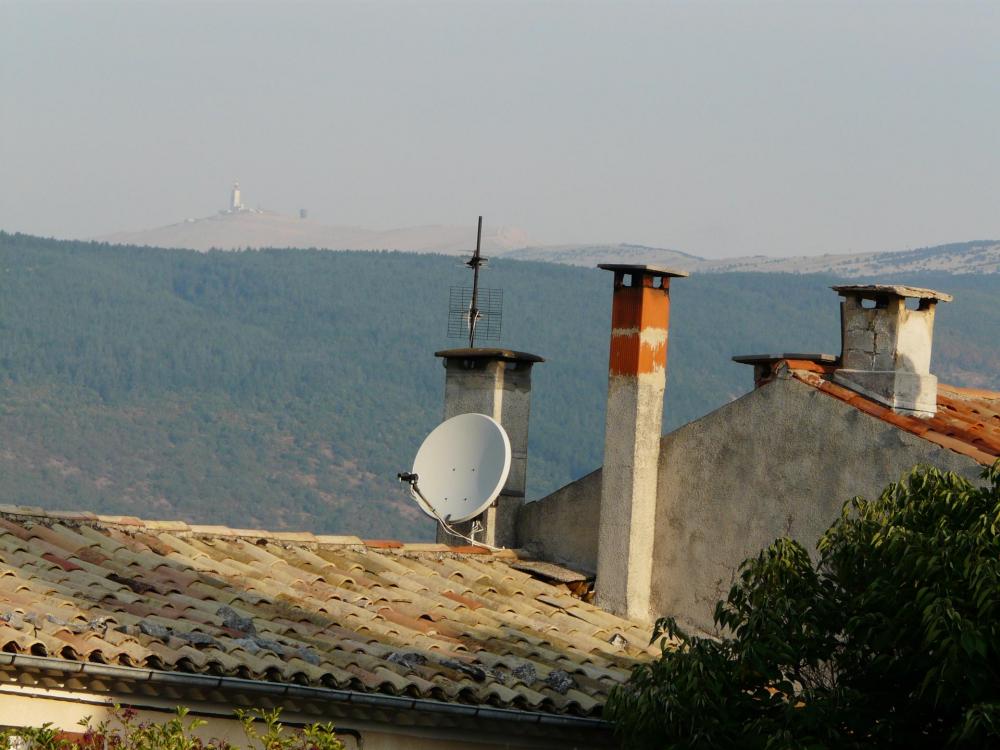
x: 637, y: 376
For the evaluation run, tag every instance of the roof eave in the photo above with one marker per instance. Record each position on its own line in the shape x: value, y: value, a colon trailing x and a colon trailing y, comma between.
x: 401, y: 711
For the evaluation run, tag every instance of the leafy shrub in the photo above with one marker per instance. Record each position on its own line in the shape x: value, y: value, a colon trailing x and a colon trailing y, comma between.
x: 124, y: 731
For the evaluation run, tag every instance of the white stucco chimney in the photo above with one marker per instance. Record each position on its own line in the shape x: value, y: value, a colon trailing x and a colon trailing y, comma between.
x: 886, y: 346
x: 497, y: 383
x: 637, y: 373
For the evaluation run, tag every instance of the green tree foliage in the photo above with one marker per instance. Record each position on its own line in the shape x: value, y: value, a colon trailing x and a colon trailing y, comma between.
x: 125, y: 731
x: 892, y: 640
x: 285, y: 388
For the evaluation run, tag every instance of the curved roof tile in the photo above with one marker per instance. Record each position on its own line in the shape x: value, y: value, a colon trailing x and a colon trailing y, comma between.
x: 425, y: 621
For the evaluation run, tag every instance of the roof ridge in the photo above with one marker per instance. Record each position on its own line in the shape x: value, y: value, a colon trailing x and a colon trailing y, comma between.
x: 965, y: 392
x: 211, y: 531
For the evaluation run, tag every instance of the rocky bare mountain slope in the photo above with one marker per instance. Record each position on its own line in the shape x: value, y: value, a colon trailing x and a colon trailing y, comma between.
x: 960, y: 257
x: 260, y: 229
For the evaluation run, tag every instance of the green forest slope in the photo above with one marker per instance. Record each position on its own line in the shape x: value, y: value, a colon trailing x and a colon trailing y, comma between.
x: 285, y: 388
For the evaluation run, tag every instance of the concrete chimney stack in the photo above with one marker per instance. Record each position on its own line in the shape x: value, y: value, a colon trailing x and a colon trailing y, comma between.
x: 637, y: 376
x: 497, y: 383
x: 886, y: 346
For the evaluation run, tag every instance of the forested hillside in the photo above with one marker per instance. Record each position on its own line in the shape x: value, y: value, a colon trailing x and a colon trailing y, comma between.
x: 284, y: 388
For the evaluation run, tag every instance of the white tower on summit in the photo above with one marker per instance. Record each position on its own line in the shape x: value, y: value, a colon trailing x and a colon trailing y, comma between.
x: 234, y: 201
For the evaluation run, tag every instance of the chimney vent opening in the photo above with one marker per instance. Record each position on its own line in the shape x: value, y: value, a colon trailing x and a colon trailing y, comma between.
x: 876, y: 303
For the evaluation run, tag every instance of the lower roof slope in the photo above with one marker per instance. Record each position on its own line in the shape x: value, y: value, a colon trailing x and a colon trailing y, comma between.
x: 425, y: 621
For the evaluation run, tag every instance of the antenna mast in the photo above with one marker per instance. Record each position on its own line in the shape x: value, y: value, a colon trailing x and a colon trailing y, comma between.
x: 475, y: 312
x: 474, y: 263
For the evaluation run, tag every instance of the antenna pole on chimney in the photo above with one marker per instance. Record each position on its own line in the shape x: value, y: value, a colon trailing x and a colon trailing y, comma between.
x: 474, y: 263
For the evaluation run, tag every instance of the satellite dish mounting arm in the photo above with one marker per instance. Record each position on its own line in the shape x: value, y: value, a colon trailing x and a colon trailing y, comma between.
x: 411, y: 479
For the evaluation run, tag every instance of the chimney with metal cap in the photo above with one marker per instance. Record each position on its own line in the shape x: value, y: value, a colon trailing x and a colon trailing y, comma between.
x: 637, y: 374
x: 497, y: 383
x: 886, y: 346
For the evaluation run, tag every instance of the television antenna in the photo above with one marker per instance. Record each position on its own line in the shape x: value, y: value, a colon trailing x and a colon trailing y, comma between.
x: 459, y: 470
x: 473, y: 310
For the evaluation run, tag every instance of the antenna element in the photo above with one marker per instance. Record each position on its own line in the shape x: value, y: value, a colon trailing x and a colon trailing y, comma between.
x: 475, y: 311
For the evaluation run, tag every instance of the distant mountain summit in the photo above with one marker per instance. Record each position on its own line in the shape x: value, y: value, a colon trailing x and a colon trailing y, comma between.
x: 238, y: 230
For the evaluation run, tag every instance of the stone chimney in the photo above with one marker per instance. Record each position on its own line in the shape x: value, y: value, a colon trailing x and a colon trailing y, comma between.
x: 497, y: 383
x: 637, y: 375
x: 886, y: 345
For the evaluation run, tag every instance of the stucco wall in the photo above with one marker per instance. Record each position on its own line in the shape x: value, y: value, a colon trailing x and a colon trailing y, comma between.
x: 562, y: 527
x: 781, y: 460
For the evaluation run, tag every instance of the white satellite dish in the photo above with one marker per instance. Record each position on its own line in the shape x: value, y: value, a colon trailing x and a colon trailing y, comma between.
x: 461, y: 467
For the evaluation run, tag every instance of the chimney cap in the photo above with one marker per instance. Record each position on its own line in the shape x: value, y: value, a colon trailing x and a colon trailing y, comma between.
x: 871, y: 291
x: 642, y: 269
x: 764, y: 359
x: 503, y: 355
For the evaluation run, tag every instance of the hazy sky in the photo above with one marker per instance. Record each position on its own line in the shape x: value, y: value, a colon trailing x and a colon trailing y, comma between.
x: 715, y: 128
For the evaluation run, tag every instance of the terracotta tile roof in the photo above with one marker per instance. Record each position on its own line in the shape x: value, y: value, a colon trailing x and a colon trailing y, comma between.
x: 967, y: 419
x: 424, y: 621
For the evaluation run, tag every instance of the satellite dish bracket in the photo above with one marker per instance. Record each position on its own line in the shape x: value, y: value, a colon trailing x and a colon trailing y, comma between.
x: 411, y: 479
